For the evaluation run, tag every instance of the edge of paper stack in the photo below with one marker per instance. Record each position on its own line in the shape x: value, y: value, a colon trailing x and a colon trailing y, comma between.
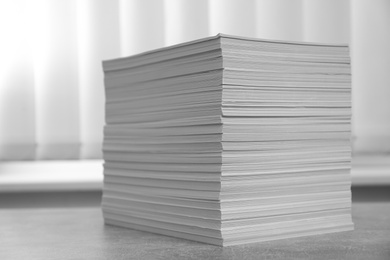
x: 229, y: 140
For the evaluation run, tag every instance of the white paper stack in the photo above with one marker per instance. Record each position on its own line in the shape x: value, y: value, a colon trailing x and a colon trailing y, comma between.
x: 229, y: 140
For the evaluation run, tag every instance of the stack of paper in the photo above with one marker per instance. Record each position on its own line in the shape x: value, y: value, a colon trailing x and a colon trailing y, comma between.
x: 229, y: 140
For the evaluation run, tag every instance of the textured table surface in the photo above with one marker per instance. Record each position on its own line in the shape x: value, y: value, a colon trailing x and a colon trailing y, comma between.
x: 79, y: 233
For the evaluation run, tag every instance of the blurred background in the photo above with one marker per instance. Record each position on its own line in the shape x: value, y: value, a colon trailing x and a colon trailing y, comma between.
x: 51, y: 79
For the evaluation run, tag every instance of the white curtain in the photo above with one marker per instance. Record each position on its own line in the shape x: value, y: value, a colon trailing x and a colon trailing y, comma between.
x: 51, y: 80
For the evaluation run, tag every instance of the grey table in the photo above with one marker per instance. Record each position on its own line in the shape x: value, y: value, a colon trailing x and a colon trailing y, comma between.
x: 79, y: 233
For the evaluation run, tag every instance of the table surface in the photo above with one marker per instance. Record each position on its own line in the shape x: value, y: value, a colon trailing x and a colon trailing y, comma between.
x: 79, y: 233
